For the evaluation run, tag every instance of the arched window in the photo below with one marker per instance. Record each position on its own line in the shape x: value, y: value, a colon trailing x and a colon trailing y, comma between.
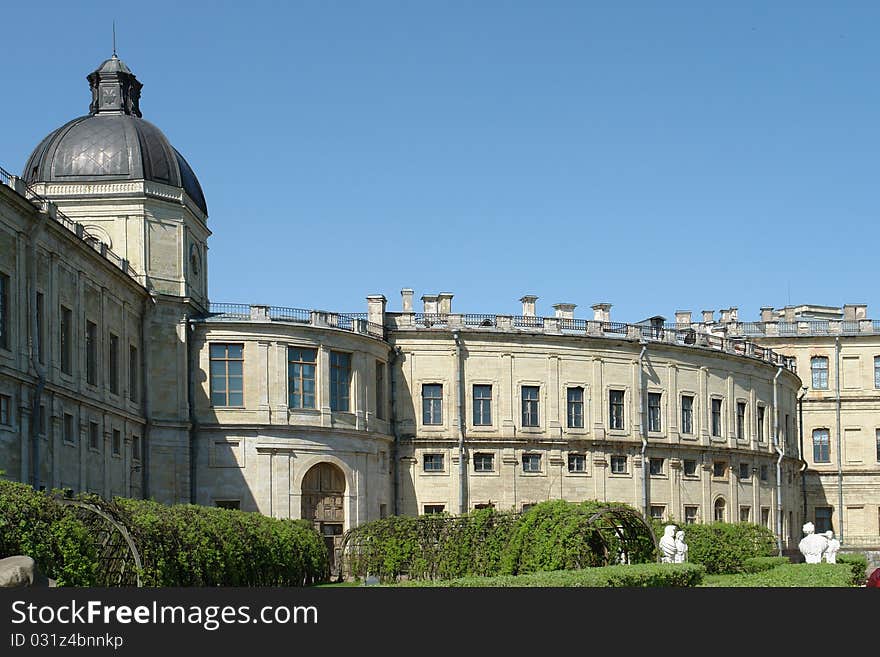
x: 719, y: 510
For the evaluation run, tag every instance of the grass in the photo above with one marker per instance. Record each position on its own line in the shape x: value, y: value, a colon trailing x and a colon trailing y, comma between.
x: 787, y: 576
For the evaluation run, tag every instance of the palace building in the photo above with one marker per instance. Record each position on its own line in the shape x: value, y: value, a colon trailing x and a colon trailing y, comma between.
x: 118, y: 376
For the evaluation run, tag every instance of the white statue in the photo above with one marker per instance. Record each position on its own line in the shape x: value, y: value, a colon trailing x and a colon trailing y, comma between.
x: 681, y: 548
x: 812, y: 545
x: 667, y: 545
x: 833, y: 547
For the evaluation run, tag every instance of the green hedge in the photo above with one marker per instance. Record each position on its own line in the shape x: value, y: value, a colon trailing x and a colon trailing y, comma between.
x: 179, y: 545
x: 858, y: 563
x: 634, y: 575
x: 724, y: 547
x: 788, y: 575
x: 760, y: 564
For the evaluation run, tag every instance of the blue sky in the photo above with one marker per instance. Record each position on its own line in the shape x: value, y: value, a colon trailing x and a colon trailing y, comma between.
x: 657, y: 156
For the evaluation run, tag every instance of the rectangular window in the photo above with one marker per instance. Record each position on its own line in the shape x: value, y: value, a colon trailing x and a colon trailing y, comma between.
x: 877, y: 371
x: 690, y: 515
x: 433, y: 463
x: 654, y: 411
x: 577, y: 463
x: 113, y: 364
x: 656, y: 465
x: 482, y: 405
x: 380, y: 390
x: 135, y: 448
x: 340, y: 380
x: 765, y: 473
x: 615, y: 409
x: 618, y: 464
x: 4, y: 311
x: 91, y: 353
x: 745, y: 471
x: 877, y: 442
x: 690, y: 468
x: 719, y: 468
x: 687, y: 414
x: 821, y: 446
x: 301, y: 366
x: 67, y: 429
x: 117, y: 442
x: 716, y: 417
x: 575, y: 400
x: 761, y: 411
x: 133, y: 368
x: 94, y: 435
x: 658, y: 511
x: 42, y: 423
x: 432, y: 509
x: 765, y: 516
x: 823, y: 519
x: 745, y: 514
x: 530, y: 406
x: 484, y: 462
x: 740, y: 420
x: 66, y: 340
x: 228, y: 504
x: 432, y: 403
x: 531, y: 462
x: 819, y: 371
x: 5, y: 410
x: 227, y: 376
x: 38, y: 338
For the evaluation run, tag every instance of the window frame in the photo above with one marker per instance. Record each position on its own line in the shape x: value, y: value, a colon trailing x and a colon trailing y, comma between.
x: 687, y: 415
x: 481, y: 406
x: 5, y: 410
x: 823, y: 447
x: 684, y: 468
x: 432, y: 406
x: 532, y: 458
x: 297, y: 378
x: 436, y: 509
x: 723, y: 468
x: 655, y: 412
x: 482, y: 458
x: 94, y: 436
x: 761, y: 421
x: 5, y: 321
x: 691, y: 519
x: 616, y: 458
x: 116, y: 442
x: 716, y: 418
x: 574, y: 408
x: 530, y: 407
x: 432, y: 469
x: 227, y: 377
x: 745, y: 471
x: 817, y: 372
x: 68, y: 429
x: 91, y: 353
x: 113, y: 363
x: 340, y: 381
x: 742, y: 410
x: 573, y: 458
x: 381, y: 368
x: 133, y: 370
x: 616, y: 410
x: 65, y: 337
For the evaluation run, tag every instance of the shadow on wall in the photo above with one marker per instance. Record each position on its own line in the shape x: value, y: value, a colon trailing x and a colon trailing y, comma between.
x: 404, y: 411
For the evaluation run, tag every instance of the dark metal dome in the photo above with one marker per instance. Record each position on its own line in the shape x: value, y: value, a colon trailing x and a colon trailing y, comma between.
x: 113, y: 142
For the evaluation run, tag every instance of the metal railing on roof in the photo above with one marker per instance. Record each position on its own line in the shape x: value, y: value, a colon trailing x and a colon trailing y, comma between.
x: 354, y: 322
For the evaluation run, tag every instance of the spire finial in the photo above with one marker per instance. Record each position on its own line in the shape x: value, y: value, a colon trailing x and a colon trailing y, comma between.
x: 114, y: 38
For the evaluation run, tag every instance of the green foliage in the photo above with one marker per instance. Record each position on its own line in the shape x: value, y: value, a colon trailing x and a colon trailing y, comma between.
x: 760, y: 564
x: 635, y: 575
x: 789, y: 575
x: 858, y: 563
x: 723, y: 547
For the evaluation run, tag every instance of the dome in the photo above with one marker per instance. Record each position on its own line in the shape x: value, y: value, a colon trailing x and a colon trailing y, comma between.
x: 112, y: 142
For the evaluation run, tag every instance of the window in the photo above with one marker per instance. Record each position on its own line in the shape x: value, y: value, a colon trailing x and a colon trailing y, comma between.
x: 528, y: 505
x: 690, y: 468
x: 484, y: 505
x: 577, y: 463
x: 656, y: 465
x: 687, y: 414
x: 615, y: 409
x: 765, y: 473
x: 719, y: 468
x: 484, y: 462
x: 117, y: 442
x: 38, y: 338
x: 5, y: 410
x: 819, y: 370
x: 821, y: 446
x: 340, y: 380
x: 765, y: 517
x: 66, y: 340
x: 42, y: 424
x: 531, y: 462
x: 91, y: 353
x: 745, y: 472
x: 530, y: 406
x: 67, y: 429
x: 482, y: 405
x: 716, y: 417
x: 380, y: 390
x: 877, y: 441
x: 823, y: 518
x: 432, y: 403
x: 740, y: 420
x: 618, y: 464
x: 761, y: 410
x: 877, y: 371
x: 133, y: 367
x: 94, y: 435
x: 432, y: 509
x: 4, y: 311
x: 719, y: 510
x: 654, y: 411
x: 228, y: 504
x: 658, y: 511
x: 135, y: 448
x: 745, y: 514
x: 301, y: 365
x: 227, y: 363
x: 433, y: 463
x: 113, y: 364
x: 575, y: 398
x: 690, y: 515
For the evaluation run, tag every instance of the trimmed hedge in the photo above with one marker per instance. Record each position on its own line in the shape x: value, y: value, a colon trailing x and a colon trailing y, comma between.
x: 634, y: 575
x: 789, y: 575
x: 858, y: 563
x: 180, y: 545
x: 724, y: 547
x: 760, y: 564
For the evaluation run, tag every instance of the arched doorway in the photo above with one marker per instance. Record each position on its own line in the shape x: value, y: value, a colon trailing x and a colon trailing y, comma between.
x: 323, y: 495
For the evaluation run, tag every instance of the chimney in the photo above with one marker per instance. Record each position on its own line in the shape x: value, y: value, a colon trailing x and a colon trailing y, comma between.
x: 528, y: 305
x: 376, y: 309
x: 601, y: 312
x: 407, y: 296
x: 767, y: 314
x: 430, y: 301
x: 725, y: 316
x: 564, y: 310
x: 789, y: 314
x: 855, y: 311
x: 444, y: 301
x: 708, y: 317
x: 682, y: 316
